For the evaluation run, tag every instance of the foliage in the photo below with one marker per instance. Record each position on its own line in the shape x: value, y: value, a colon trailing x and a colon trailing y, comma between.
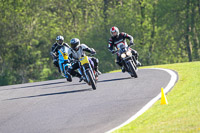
x: 164, y: 32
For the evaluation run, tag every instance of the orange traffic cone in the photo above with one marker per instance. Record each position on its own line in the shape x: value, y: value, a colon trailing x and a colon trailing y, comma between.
x: 163, y: 97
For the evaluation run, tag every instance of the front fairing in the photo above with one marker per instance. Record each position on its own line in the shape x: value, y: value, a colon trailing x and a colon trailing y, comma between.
x: 122, y: 49
x: 62, y: 54
x: 63, y: 59
x: 125, y: 53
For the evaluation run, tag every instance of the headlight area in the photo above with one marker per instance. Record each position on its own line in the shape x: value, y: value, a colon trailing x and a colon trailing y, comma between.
x: 123, y: 55
x: 129, y: 53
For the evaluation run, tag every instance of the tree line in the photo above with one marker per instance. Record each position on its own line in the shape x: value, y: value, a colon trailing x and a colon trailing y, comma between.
x: 164, y: 31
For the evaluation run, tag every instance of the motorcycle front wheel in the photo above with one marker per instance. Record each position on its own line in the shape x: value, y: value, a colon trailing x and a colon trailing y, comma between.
x: 132, y: 69
x: 92, y: 81
x: 68, y: 76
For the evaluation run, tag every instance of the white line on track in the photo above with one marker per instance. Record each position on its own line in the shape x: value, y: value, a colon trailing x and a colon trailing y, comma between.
x: 174, y: 78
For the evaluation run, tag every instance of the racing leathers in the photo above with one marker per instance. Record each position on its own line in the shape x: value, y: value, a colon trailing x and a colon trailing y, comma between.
x: 54, y: 52
x: 75, y: 55
x: 116, y: 40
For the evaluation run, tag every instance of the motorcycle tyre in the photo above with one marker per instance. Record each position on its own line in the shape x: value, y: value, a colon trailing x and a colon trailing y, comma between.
x: 69, y: 78
x: 132, y: 69
x: 92, y: 81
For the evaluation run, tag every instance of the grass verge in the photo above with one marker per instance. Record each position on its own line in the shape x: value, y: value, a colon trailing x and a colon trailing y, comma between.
x: 182, y: 114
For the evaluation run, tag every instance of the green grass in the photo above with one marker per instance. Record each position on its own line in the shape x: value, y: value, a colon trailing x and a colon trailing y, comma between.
x: 182, y: 114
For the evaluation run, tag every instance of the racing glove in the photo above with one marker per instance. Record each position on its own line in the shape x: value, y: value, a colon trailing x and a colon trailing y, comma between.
x: 131, y: 43
x: 93, y: 52
x: 112, y: 51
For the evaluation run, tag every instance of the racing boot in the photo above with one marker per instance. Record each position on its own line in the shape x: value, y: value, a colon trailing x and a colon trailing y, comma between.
x: 99, y: 73
x: 81, y: 79
x: 97, y: 70
x: 78, y: 75
x: 96, y: 74
x: 138, y: 63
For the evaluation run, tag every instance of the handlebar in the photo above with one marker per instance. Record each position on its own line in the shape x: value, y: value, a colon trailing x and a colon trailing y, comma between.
x: 116, y: 51
x: 92, y: 54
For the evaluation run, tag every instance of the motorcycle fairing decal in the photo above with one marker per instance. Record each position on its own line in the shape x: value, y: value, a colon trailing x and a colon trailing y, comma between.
x: 64, y: 55
x: 84, y: 60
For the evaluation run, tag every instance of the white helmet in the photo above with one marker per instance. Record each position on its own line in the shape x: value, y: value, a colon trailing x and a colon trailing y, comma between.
x: 114, y: 29
x: 60, y: 39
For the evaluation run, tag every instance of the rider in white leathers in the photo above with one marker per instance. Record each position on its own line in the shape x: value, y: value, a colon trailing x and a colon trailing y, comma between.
x: 76, y: 51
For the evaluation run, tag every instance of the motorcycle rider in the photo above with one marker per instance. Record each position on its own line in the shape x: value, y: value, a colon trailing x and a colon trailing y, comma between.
x: 76, y: 51
x: 117, y: 38
x: 54, y: 50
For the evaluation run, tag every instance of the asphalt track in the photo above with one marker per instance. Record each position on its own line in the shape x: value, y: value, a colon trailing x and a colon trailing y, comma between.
x: 57, y: 106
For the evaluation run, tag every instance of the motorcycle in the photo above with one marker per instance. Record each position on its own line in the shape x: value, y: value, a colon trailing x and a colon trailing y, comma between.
x: 87, y: 71
x: 64, y: 63
x: 127, y: 59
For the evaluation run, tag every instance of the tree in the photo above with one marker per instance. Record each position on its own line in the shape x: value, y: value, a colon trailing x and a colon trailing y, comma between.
x: 163, y: 31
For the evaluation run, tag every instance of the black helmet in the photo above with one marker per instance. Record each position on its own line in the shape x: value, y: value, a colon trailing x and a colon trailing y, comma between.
x: 75, y: 43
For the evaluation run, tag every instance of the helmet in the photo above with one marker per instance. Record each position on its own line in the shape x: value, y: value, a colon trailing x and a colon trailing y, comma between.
x: 75, y: 43
x: 60, y: 39
x: 113, y: 30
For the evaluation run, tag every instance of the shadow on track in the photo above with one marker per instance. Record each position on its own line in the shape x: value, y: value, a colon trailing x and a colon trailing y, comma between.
x: 32, y: 86
x: 110, y: 80
x: 51, y: 94
x: 64, y: 85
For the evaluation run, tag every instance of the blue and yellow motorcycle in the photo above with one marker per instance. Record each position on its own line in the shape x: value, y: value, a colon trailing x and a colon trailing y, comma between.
x: 64, y: 63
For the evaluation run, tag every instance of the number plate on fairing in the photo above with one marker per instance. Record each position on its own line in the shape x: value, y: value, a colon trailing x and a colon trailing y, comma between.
x: 84, y: 60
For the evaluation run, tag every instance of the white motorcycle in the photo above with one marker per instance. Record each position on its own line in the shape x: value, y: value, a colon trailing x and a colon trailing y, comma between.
x: 128, y: 60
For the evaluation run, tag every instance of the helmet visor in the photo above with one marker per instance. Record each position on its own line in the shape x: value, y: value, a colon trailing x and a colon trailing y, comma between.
x: 60, y: 41
x: 114, y: 33
x: 74, y: 45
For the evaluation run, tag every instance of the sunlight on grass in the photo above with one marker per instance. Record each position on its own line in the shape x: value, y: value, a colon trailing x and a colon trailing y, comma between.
x: 182, y: 114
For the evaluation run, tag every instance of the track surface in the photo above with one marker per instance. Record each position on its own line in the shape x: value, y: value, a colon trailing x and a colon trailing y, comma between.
x: 57, y: 106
